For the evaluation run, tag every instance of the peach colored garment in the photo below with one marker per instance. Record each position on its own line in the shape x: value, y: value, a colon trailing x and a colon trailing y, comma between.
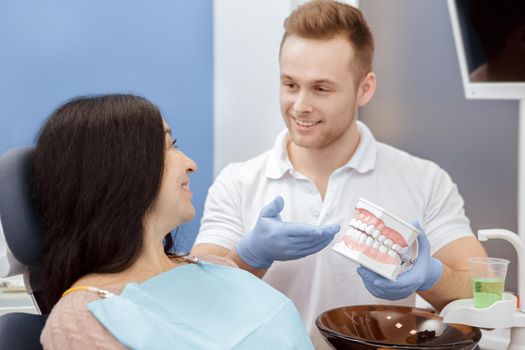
x: 72, y: 326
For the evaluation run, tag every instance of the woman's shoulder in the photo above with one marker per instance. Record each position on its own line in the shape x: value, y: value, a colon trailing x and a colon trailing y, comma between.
x: 73, y: 305
x: 71, y: 325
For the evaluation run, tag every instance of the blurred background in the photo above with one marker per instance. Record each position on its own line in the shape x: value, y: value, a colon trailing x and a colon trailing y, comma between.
x: 54, y: 50
x: 419, y: 106
x: 212, y: 68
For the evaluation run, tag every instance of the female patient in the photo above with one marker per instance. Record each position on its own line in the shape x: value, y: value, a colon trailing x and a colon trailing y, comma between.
x: 110, y: 184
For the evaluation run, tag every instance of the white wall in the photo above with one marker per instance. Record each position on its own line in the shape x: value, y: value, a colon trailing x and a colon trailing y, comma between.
x: 247, y: 118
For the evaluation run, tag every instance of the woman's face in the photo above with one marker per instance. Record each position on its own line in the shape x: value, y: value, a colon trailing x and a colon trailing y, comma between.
x: 174, y: 200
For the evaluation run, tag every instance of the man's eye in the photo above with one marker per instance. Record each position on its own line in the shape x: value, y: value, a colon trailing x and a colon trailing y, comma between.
x: 322, y: 89
x: 173, y: 143
x: 290, y: 85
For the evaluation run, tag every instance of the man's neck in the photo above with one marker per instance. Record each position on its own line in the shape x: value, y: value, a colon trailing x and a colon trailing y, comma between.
x: 317, y: 164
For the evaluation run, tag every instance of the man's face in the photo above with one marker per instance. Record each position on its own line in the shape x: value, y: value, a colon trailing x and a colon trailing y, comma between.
x: 318, y: 92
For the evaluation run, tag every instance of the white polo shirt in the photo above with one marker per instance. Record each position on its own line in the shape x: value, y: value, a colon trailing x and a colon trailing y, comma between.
x: 409, y: 187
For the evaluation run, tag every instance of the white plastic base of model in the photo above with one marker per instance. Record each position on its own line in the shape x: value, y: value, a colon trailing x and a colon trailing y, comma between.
x: 386, y: 270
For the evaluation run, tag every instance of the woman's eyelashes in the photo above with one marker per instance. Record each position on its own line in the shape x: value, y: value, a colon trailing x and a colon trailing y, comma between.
x: 174, y: 143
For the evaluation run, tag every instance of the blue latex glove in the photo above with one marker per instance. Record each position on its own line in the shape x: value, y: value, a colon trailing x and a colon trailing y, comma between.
x: 272, y: 239
x: 422, y: 276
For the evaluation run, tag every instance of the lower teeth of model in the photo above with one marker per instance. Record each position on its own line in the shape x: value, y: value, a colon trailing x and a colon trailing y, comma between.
x: 382, y: 244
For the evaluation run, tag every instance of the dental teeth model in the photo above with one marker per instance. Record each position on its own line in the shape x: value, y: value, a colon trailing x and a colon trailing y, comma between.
x: 379, y: 240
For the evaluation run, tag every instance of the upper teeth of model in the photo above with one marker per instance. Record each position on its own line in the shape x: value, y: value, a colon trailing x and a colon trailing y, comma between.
x: 302, y: 122
x: 372, y: 237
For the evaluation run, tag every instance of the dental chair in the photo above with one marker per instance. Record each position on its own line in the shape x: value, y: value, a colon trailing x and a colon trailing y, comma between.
x: 21, y: 247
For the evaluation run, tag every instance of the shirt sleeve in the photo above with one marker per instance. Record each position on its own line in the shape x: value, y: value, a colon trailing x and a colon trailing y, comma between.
x: 72, y: 326
x: 444, y: 217
x: 222, y: 222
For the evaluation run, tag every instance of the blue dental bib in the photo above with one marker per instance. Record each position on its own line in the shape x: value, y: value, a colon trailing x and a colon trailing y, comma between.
x: 202, y: 306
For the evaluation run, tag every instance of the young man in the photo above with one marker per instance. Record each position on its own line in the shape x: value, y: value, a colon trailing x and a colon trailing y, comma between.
x: 321, y: 164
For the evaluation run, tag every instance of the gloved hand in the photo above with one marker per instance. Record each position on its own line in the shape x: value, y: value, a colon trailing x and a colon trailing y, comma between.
x: 422, y: 276
x: 272, y: 239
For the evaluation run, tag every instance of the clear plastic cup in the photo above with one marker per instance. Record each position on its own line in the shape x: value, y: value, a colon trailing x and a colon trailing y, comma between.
x: 488, y: 280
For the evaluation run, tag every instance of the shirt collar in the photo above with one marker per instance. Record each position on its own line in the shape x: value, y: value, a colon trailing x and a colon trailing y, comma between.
x: 363, y: 160
x: 278, y: 163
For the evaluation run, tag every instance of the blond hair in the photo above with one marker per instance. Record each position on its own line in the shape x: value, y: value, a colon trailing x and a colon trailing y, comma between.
x: 325, y: 19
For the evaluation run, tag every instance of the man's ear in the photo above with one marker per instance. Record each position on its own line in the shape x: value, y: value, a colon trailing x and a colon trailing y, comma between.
x: 366, y: 89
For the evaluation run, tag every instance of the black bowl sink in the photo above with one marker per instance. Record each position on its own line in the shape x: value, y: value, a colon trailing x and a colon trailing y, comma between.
x: 367, y: 327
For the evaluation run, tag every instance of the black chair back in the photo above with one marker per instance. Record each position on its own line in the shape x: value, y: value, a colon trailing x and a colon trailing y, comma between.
x: 20, y: 331
x: 22, y: 233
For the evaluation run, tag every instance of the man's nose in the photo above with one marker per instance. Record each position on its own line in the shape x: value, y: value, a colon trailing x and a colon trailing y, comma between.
x: 302, y: 103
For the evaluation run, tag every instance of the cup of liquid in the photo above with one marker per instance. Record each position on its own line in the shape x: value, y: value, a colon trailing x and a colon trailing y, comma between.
x: 488, y: 280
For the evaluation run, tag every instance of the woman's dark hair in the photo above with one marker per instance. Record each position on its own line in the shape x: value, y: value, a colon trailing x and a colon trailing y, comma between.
x: 98, y: 168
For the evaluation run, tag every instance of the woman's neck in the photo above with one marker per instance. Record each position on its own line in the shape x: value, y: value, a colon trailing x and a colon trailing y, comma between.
x: 150, y: 262
x: 144, y: 267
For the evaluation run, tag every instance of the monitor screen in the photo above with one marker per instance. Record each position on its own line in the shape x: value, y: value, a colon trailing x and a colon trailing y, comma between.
x: 490, y: 40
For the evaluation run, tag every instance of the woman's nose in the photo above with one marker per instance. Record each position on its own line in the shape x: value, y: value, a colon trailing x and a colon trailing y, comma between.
x: 192, y: 166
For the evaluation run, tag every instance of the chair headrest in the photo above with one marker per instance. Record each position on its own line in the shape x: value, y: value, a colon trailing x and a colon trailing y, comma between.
x: 21, y: 223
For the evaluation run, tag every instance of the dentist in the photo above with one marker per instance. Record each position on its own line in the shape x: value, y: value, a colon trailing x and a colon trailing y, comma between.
x: 320, y: 165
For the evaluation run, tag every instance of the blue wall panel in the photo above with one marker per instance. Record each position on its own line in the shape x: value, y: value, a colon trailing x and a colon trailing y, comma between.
x: 53, y: 50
